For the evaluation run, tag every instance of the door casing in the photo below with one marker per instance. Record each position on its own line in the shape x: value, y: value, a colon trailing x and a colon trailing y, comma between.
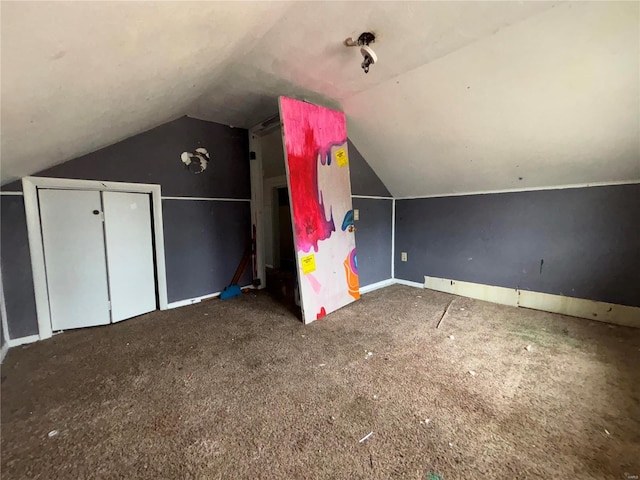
x: 30, y: 186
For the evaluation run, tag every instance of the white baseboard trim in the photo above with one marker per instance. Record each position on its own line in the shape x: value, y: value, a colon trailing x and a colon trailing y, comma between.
x: 377, y: 285
x: 3, y: 351
x: 574, y: 307
x: 16, y: 342
x: 191, y: 301
x: 408, y: 283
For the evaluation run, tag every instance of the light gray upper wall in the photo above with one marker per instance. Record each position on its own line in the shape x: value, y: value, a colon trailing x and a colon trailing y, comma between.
x: 581, y: 242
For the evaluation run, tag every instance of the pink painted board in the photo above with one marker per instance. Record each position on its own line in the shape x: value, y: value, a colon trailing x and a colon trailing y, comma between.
x: 317, y: 163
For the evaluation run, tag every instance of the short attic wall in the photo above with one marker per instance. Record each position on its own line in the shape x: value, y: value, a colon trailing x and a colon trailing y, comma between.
x: 578, y: 242
x: 374, y: 227
x: 205, y: 233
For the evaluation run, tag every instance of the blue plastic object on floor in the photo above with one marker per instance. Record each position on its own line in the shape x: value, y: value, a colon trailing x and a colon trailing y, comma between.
x: 230, y: 292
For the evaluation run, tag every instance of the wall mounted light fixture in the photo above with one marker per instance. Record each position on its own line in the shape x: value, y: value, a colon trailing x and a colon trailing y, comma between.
x: 197, y: 161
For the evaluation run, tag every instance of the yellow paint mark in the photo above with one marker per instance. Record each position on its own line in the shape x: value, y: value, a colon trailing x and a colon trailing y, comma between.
x: 308, y: 264
x: 342, y: 158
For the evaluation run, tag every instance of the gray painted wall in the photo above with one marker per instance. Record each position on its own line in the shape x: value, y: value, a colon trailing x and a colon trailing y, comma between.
x: 15, y: 259
x: 201, y: 238
x: 373, y: 229
x: 373, y: 239
x: 204, y: 242
x: 582, y: 243
x: 154, y: 157
x: 364, y: 180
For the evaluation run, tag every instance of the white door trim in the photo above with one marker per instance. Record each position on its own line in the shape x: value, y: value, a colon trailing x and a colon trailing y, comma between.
x: 269, y: 185
x: 30, y: 187
x: 3, y: 312
x: 257, y: 196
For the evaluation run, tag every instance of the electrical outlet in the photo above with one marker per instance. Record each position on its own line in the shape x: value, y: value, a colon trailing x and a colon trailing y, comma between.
x: 403, y: 256
x: 356, y: 214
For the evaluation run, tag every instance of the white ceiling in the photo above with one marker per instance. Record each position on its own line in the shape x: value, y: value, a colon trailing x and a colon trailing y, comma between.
x: 468, y: 96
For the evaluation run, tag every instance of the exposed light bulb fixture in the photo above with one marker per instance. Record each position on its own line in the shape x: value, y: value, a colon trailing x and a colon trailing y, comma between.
x: 197, y: 161
x: 368, y: 55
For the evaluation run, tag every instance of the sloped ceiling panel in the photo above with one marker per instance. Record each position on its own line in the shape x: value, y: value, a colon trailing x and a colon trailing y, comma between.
x: 467, y: 96
x: 553, y: 100
x: 77, y: 76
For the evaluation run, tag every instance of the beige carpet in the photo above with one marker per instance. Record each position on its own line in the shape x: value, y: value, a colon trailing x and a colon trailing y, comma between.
x: 240, y: 389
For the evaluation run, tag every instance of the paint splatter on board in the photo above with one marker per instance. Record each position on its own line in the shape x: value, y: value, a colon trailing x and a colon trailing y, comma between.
x: 309, y: 149
x: 351, y: 271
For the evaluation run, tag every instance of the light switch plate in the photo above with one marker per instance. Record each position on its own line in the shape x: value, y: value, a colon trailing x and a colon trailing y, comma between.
x: 356, y: 214
x: 403, y: 256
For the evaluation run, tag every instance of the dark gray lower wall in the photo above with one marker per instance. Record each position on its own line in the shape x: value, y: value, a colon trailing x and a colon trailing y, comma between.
x: 373, y: 239
x: 15, y: 261
x: 204, y: 243
x: 582, y: 243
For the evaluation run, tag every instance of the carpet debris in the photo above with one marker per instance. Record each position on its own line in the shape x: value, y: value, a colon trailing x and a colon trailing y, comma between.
x: 444, y: 314
x: 366, y: 437
x: 368, y: 356
x: 606, y: 431
x: 451, y: 337
x: 53, y: 433
x: 528, y: 348
x: 472, y: 373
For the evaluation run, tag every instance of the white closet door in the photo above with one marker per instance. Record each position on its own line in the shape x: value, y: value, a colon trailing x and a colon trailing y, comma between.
x: 73, y: 240
x: 132, y: 285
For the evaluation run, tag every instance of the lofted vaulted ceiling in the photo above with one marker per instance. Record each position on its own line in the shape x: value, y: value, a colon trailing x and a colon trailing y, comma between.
x: 467, y: 96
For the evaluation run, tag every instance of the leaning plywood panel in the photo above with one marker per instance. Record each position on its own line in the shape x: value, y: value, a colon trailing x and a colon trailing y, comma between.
x: 317, y: 162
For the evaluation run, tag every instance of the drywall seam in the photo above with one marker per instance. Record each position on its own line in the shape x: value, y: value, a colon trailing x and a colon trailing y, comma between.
x: 518, y: 190
x: 191, y: 301
x: 623, y: 315
x: 375, y: 286
x: 211, y: 199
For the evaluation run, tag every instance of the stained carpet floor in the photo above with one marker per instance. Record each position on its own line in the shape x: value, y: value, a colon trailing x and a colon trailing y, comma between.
x: 240, y: 389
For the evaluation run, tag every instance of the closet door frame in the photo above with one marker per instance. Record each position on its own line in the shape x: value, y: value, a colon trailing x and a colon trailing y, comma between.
x: 30, y: 186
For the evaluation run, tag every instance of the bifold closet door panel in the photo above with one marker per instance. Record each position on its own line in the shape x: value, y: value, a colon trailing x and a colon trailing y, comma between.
x: 128, y: 234
x: 73, y: 240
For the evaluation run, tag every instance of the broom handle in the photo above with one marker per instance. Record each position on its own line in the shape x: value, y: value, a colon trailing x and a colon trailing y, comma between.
x: 241, y: 266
